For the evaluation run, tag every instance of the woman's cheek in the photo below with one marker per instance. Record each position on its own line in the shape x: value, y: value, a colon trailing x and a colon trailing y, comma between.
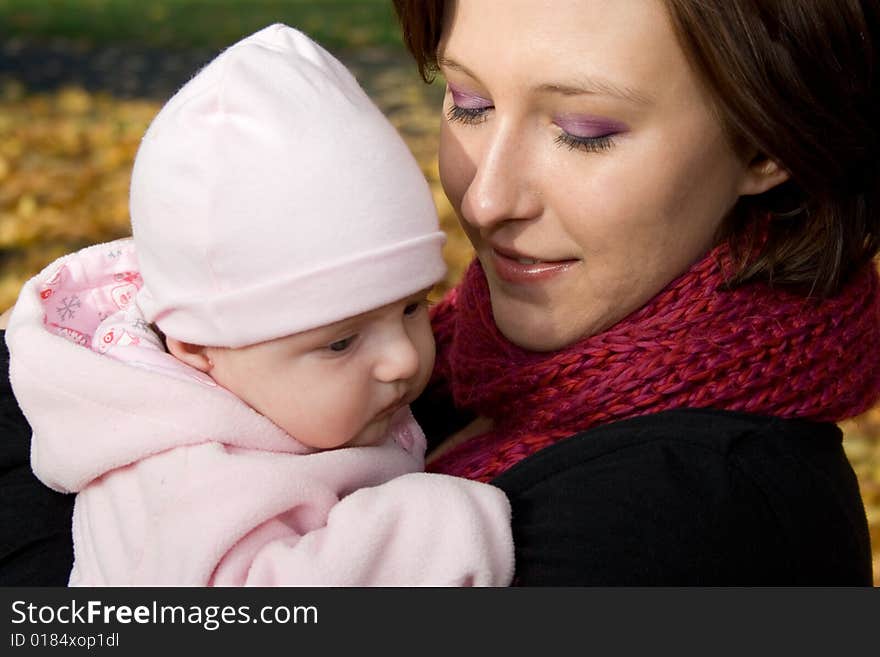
x: 457, y: 167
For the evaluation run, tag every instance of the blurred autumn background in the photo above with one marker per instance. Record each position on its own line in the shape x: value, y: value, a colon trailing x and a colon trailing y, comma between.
x: 80, y: 80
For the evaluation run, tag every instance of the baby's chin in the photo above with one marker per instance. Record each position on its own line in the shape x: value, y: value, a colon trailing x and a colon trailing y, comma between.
x: 374, y: 433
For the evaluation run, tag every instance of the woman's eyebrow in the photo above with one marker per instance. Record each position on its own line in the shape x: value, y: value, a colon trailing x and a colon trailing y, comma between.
x: 446, y: 62
x: 595, y: 86
x: 598, y: 87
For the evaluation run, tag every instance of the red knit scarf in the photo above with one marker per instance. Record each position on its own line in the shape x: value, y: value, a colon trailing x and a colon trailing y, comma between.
x: 695, y: 345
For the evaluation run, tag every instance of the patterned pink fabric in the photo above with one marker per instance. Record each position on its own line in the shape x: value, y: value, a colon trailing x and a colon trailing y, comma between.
x: 696, y: 344
x: 81, y: 293
x: 90, y: 300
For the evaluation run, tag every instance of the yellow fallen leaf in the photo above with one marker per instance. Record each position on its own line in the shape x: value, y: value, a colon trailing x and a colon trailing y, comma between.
x: 27, y: 206
x: 74, y: 100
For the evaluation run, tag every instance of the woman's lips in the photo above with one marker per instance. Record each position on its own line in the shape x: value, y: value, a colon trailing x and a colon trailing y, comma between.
x: 527, y: 270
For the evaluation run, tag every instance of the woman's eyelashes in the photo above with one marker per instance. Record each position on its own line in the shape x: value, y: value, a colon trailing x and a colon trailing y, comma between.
x: 467, y: 107
x: 591, y: 144
x: 587, y: 133
x: 469, y: 115
x: 576, y: 133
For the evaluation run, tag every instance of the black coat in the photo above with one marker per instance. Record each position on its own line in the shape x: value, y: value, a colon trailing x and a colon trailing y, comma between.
x: 691, y: 498
x: 687, y: 497
x: 677, y: 498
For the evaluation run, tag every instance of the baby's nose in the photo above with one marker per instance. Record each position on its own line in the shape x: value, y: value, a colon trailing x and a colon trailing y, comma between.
x: 399, y: 359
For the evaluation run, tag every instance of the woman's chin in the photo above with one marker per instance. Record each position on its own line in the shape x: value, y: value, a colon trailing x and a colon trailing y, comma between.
x: 534, y: 329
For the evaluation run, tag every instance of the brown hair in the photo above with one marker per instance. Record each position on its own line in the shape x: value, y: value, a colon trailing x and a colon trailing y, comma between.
x: 795, y: 81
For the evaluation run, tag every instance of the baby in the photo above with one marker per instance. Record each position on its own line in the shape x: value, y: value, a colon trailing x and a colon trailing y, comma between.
x: 227, y: 392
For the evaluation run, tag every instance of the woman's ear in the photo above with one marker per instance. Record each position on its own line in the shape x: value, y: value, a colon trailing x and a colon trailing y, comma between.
x: 193, y: 355
x: 762, y: 174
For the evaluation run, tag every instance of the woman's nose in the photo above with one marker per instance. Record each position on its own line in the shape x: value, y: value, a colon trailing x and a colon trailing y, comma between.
x: 501, y: 188
x: 398, y: 359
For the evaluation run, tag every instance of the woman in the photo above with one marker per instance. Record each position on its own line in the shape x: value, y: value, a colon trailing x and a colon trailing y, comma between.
x: 673, y: 206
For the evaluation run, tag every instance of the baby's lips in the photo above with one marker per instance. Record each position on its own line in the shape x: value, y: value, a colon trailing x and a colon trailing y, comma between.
x: 399, y: 428
x: 405, y: 430
x: 404, y: 437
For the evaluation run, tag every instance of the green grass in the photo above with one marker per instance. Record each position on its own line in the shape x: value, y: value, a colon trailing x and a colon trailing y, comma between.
x: 199, y: 23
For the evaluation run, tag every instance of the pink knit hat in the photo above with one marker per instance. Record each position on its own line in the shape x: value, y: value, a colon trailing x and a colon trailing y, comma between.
x: 271, y: 196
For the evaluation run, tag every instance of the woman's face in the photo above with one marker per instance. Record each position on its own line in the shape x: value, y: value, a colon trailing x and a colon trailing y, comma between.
x: 582, y: 156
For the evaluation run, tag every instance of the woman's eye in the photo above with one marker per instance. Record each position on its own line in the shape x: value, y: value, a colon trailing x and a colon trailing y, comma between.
x: 589, y: 144
x: 413, y: 308
x: 467, y: 107
x: 470, y: 115
x: 587, y: 133
x: 341, y: 345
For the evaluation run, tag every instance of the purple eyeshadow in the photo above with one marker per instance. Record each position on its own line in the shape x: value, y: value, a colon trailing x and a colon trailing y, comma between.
x: 589, y: 126
x: 467, y: 100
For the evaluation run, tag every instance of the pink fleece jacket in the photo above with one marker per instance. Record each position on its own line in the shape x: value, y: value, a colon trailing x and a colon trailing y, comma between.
x: 179, y: 482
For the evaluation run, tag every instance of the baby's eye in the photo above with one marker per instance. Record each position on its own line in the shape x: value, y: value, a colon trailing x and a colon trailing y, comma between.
x: 341, y: 345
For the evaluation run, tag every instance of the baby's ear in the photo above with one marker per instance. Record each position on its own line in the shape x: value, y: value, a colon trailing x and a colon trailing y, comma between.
x: 194, y: 355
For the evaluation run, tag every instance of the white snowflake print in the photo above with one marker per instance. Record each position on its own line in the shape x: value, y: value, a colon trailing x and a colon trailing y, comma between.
x: 67, y: 309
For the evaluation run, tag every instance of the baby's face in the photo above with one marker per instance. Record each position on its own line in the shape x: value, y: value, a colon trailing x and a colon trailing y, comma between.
x: 336, y: 385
